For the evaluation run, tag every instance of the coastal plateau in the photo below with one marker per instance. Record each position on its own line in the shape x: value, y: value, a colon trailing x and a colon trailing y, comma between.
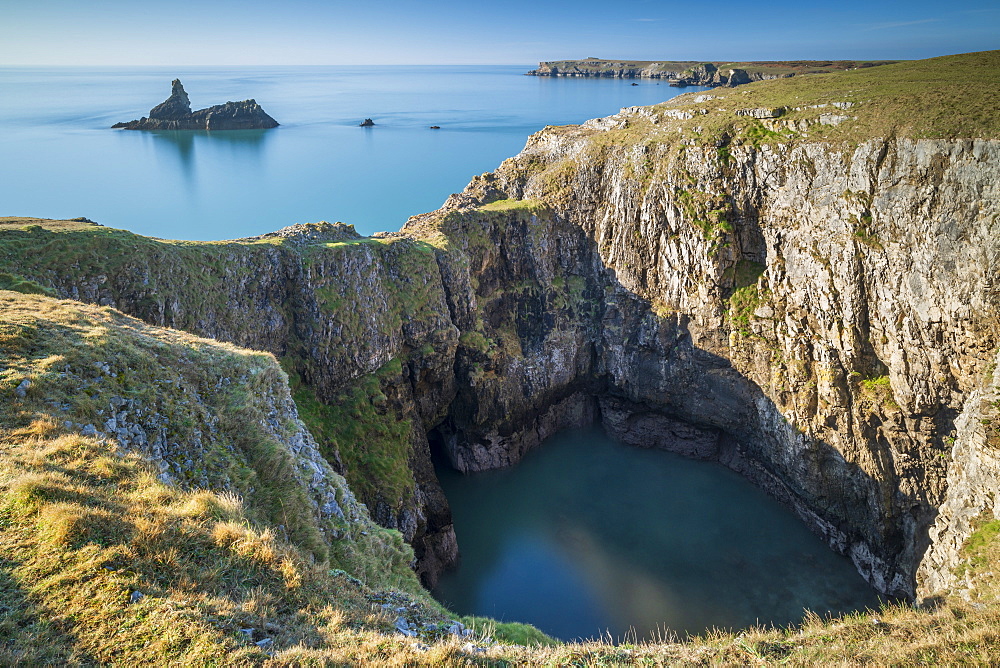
x: 695, y: 73
x: 794, y: 278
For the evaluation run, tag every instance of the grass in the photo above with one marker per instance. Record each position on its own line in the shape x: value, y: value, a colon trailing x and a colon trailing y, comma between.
x: 942, y: 97
x: 360, y: 428
x: 85, y: 523
x: 938, y: 98
x: 877, y: 392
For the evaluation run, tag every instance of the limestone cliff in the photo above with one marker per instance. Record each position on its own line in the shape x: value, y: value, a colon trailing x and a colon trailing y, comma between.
x: 692, y: 73
x: 829, y: 363
x: 793, y: 279
x: 175, y: 113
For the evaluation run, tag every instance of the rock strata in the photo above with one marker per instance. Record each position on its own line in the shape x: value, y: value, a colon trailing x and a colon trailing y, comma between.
x: 175, y: 114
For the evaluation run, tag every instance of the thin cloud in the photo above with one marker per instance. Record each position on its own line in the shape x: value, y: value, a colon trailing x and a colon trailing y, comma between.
x: 900, y: 24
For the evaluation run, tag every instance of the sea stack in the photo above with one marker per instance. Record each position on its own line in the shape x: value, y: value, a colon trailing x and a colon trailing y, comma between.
x: 175, y: 113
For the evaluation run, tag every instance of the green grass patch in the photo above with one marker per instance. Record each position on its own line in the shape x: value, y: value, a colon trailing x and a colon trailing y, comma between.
x: 512, y: 205
x: 512, y: 633
x: 23, y: 285
x: 946, y: 97
x: 877, y: 392
x: 360, y: 426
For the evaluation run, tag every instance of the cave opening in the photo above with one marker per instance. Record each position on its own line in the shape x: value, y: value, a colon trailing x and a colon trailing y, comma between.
x: 588, y: 537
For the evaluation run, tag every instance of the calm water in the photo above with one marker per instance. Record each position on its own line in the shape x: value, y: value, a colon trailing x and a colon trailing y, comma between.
x: 60, y: 160
x: 587, y: 536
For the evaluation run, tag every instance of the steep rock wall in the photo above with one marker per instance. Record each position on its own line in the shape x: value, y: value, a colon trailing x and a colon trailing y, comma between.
x: 826, y: 309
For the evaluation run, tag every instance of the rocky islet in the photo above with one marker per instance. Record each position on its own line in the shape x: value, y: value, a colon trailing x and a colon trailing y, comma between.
x: 175, y: 113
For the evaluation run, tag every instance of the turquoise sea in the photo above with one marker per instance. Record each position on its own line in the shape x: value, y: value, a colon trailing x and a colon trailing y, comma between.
x: 59, y: 159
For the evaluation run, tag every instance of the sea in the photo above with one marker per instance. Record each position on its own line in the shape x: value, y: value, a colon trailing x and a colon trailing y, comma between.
x: 59, y: 157
x: 588, y: 538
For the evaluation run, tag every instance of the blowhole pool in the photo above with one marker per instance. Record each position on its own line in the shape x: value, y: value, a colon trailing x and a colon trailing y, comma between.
x: 589, y: 538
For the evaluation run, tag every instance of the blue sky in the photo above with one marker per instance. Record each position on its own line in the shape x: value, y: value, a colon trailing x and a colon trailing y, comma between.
x: 257, y: 32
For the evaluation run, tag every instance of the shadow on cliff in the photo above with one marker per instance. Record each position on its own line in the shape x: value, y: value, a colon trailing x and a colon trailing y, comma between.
x: 658, y: 385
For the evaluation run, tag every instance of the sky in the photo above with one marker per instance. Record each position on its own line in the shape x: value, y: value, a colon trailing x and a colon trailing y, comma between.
x: 384, y: 32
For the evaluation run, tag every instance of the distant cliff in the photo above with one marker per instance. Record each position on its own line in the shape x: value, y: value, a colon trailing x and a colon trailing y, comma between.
x: 694, y: 73
x: 175, y: 114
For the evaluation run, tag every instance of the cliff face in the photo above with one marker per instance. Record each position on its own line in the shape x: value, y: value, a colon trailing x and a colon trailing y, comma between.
x: 175, y: 114
x: 825, y: 361
x: 815, y: 310
x: 686, y: 74
x: 692, y: 73
x: 360, y: 324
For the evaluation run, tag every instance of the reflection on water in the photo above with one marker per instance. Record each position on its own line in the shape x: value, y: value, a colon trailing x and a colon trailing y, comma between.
x: 587, y: 537
x: 241, y: 145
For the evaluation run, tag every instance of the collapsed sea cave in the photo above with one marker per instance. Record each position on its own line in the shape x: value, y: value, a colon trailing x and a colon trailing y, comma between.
x: 587, y: 537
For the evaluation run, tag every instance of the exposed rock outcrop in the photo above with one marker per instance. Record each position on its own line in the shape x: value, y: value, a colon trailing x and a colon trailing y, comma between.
x: 175, y: 114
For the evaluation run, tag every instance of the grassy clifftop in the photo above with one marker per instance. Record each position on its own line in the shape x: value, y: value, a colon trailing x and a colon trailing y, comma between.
x: 947, y: 97
x: 90, y: 516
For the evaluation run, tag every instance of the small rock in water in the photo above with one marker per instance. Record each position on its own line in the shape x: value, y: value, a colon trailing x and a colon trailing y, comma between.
x: 367, y: 123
